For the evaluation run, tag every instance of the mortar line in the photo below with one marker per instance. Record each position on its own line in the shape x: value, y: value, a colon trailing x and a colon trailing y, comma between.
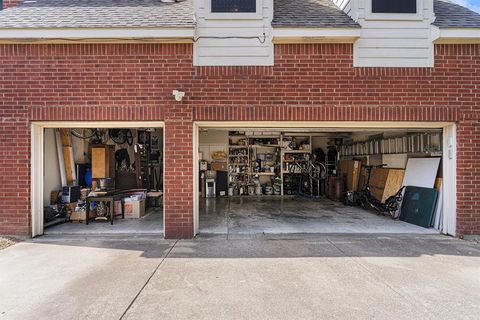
x: 148, y: 280
x: 383, y: 281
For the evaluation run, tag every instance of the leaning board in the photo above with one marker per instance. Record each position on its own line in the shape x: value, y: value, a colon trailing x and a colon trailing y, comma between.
x: 421, y: 172
x: 418, y: 206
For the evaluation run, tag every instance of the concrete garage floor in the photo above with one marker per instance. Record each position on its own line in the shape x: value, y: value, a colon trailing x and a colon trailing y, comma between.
x: 280, y: 215
x: 151, y: 223
x: 270, y: 277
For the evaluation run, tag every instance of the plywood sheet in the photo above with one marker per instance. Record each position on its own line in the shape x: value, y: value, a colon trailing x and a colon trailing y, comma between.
x: 393, y: 183
x: 421, y: 172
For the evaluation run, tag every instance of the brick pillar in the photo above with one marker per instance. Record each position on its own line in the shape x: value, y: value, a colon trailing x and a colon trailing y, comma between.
x: 178, y: 175
x: 14, y: 171
x: 468, y: 177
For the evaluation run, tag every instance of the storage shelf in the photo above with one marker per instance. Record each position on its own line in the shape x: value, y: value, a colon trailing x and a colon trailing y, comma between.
x: 238, y: 147
x: 296, y: 151
x: 265, y: 146
x: 262, y: 173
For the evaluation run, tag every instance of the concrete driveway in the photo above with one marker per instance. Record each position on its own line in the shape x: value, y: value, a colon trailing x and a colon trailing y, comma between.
x: 265, y: 277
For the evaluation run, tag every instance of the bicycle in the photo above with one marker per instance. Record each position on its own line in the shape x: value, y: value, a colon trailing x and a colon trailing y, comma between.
x: 96, y: 136
x: 121, y: 136
x: 100, y: 136
x: 366, y: 200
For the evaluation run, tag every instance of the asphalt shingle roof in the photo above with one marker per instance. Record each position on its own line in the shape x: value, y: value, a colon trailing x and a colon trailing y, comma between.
x: 154, y: 13
x: 310, y: 13
x: 97, y: 13
x: 452, y: 15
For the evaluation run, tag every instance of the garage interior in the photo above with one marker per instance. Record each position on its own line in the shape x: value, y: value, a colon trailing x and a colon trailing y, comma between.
x: 103, y: 180
x: 309, y: 180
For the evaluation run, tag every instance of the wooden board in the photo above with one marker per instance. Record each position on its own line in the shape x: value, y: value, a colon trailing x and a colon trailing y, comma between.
x: 394, y: 183
x: 69, y: 165
x: 66, y: 137
x: 99, y: 158
x: 385, y: 182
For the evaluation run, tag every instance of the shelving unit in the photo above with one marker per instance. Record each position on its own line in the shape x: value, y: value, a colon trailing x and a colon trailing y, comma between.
x: 289, y: 153
x: 238, y: 162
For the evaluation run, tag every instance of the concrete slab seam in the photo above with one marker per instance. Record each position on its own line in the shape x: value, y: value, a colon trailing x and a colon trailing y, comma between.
x: 148, y: 280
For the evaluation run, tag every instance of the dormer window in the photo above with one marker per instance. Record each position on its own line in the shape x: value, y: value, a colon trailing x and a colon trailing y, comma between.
x: 232, y: 6
x: 392, y: 6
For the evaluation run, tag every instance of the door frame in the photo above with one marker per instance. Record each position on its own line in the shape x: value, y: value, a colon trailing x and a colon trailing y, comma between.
x: 449, y: 168
x: 37, y: 143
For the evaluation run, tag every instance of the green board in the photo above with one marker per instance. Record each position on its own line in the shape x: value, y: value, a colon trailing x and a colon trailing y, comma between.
x: 418, y: 206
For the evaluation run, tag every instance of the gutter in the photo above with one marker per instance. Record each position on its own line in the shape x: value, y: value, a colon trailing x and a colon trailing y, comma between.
x: 97, y: 35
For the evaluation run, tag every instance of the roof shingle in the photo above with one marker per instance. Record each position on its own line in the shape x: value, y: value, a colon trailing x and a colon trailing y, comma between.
x: 452, y: 15
x: 97, y: 14
x: 310, y: 13
x: 155, y: 14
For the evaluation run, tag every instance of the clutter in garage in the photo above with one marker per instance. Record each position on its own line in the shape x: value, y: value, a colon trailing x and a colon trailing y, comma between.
x: 370, y: 170
x: 102, y: 175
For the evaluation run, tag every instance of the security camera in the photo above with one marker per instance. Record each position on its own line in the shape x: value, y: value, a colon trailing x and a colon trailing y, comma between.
x: 178, y: 95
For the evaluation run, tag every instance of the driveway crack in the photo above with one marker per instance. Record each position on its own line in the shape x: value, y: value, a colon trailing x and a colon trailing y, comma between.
x: 148, y: 280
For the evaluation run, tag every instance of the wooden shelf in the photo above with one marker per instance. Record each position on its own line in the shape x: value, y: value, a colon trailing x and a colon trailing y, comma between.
x: 265, y: 146
x: 296, y: 151
x: 238, y: 147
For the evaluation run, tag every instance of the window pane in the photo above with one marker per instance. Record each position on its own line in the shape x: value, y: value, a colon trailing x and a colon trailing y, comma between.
x: 234, y: 6
x: 394, y: 6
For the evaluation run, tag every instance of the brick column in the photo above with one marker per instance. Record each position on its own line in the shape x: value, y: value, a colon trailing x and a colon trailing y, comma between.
x: 14, y: 171
x: 178, y: 175
x: 468, y: 177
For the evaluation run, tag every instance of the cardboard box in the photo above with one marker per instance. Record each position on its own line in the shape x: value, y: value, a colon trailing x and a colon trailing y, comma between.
x: 118, y: 207
x: 351, y: 169
x: 134, y: 209
x: 80, y: 215
x: 218, y: 166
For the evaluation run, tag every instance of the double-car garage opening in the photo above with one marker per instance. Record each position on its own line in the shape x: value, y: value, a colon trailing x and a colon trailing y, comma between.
x: 274, y: 178
x: 248, y: 178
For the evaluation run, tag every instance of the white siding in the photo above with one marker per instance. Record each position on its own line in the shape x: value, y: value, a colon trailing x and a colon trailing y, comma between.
x: 237, y: 50
x: 389, y: 40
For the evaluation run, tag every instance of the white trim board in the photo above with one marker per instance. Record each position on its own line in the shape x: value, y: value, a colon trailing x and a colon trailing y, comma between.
x: 99, y: 34
x: 37, y: 158
x: 302, y: 35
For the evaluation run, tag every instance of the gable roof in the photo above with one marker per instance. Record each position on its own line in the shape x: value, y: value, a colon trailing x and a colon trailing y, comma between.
x: 310, y: 13
x: 156, y: 14
x: 452, y: 15
x: 97, y: 14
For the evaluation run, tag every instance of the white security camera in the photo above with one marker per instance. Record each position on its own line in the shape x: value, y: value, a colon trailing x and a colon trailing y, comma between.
x: 178, y: 95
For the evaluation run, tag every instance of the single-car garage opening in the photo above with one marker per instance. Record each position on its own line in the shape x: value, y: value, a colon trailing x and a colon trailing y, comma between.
x: 320, y: 180
x: 102, y: 180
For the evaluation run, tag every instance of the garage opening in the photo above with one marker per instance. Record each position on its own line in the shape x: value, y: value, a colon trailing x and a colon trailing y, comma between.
x: 102, y: 180
x: 321, y: 180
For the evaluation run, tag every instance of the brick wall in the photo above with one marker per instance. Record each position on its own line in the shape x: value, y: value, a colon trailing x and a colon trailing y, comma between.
x: 10, y: 3
x: 308, y: 82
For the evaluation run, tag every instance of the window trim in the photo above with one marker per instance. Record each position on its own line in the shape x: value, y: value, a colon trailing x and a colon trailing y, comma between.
x: 369, y: 15
x: 233, y: 15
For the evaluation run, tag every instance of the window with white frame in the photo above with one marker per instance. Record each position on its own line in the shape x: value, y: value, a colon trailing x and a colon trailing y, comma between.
x: 232, y: 6
x: 394, y: 6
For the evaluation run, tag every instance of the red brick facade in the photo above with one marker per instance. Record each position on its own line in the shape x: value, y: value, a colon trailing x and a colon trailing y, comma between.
x: 308, y: 82
x: 10, y: 3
